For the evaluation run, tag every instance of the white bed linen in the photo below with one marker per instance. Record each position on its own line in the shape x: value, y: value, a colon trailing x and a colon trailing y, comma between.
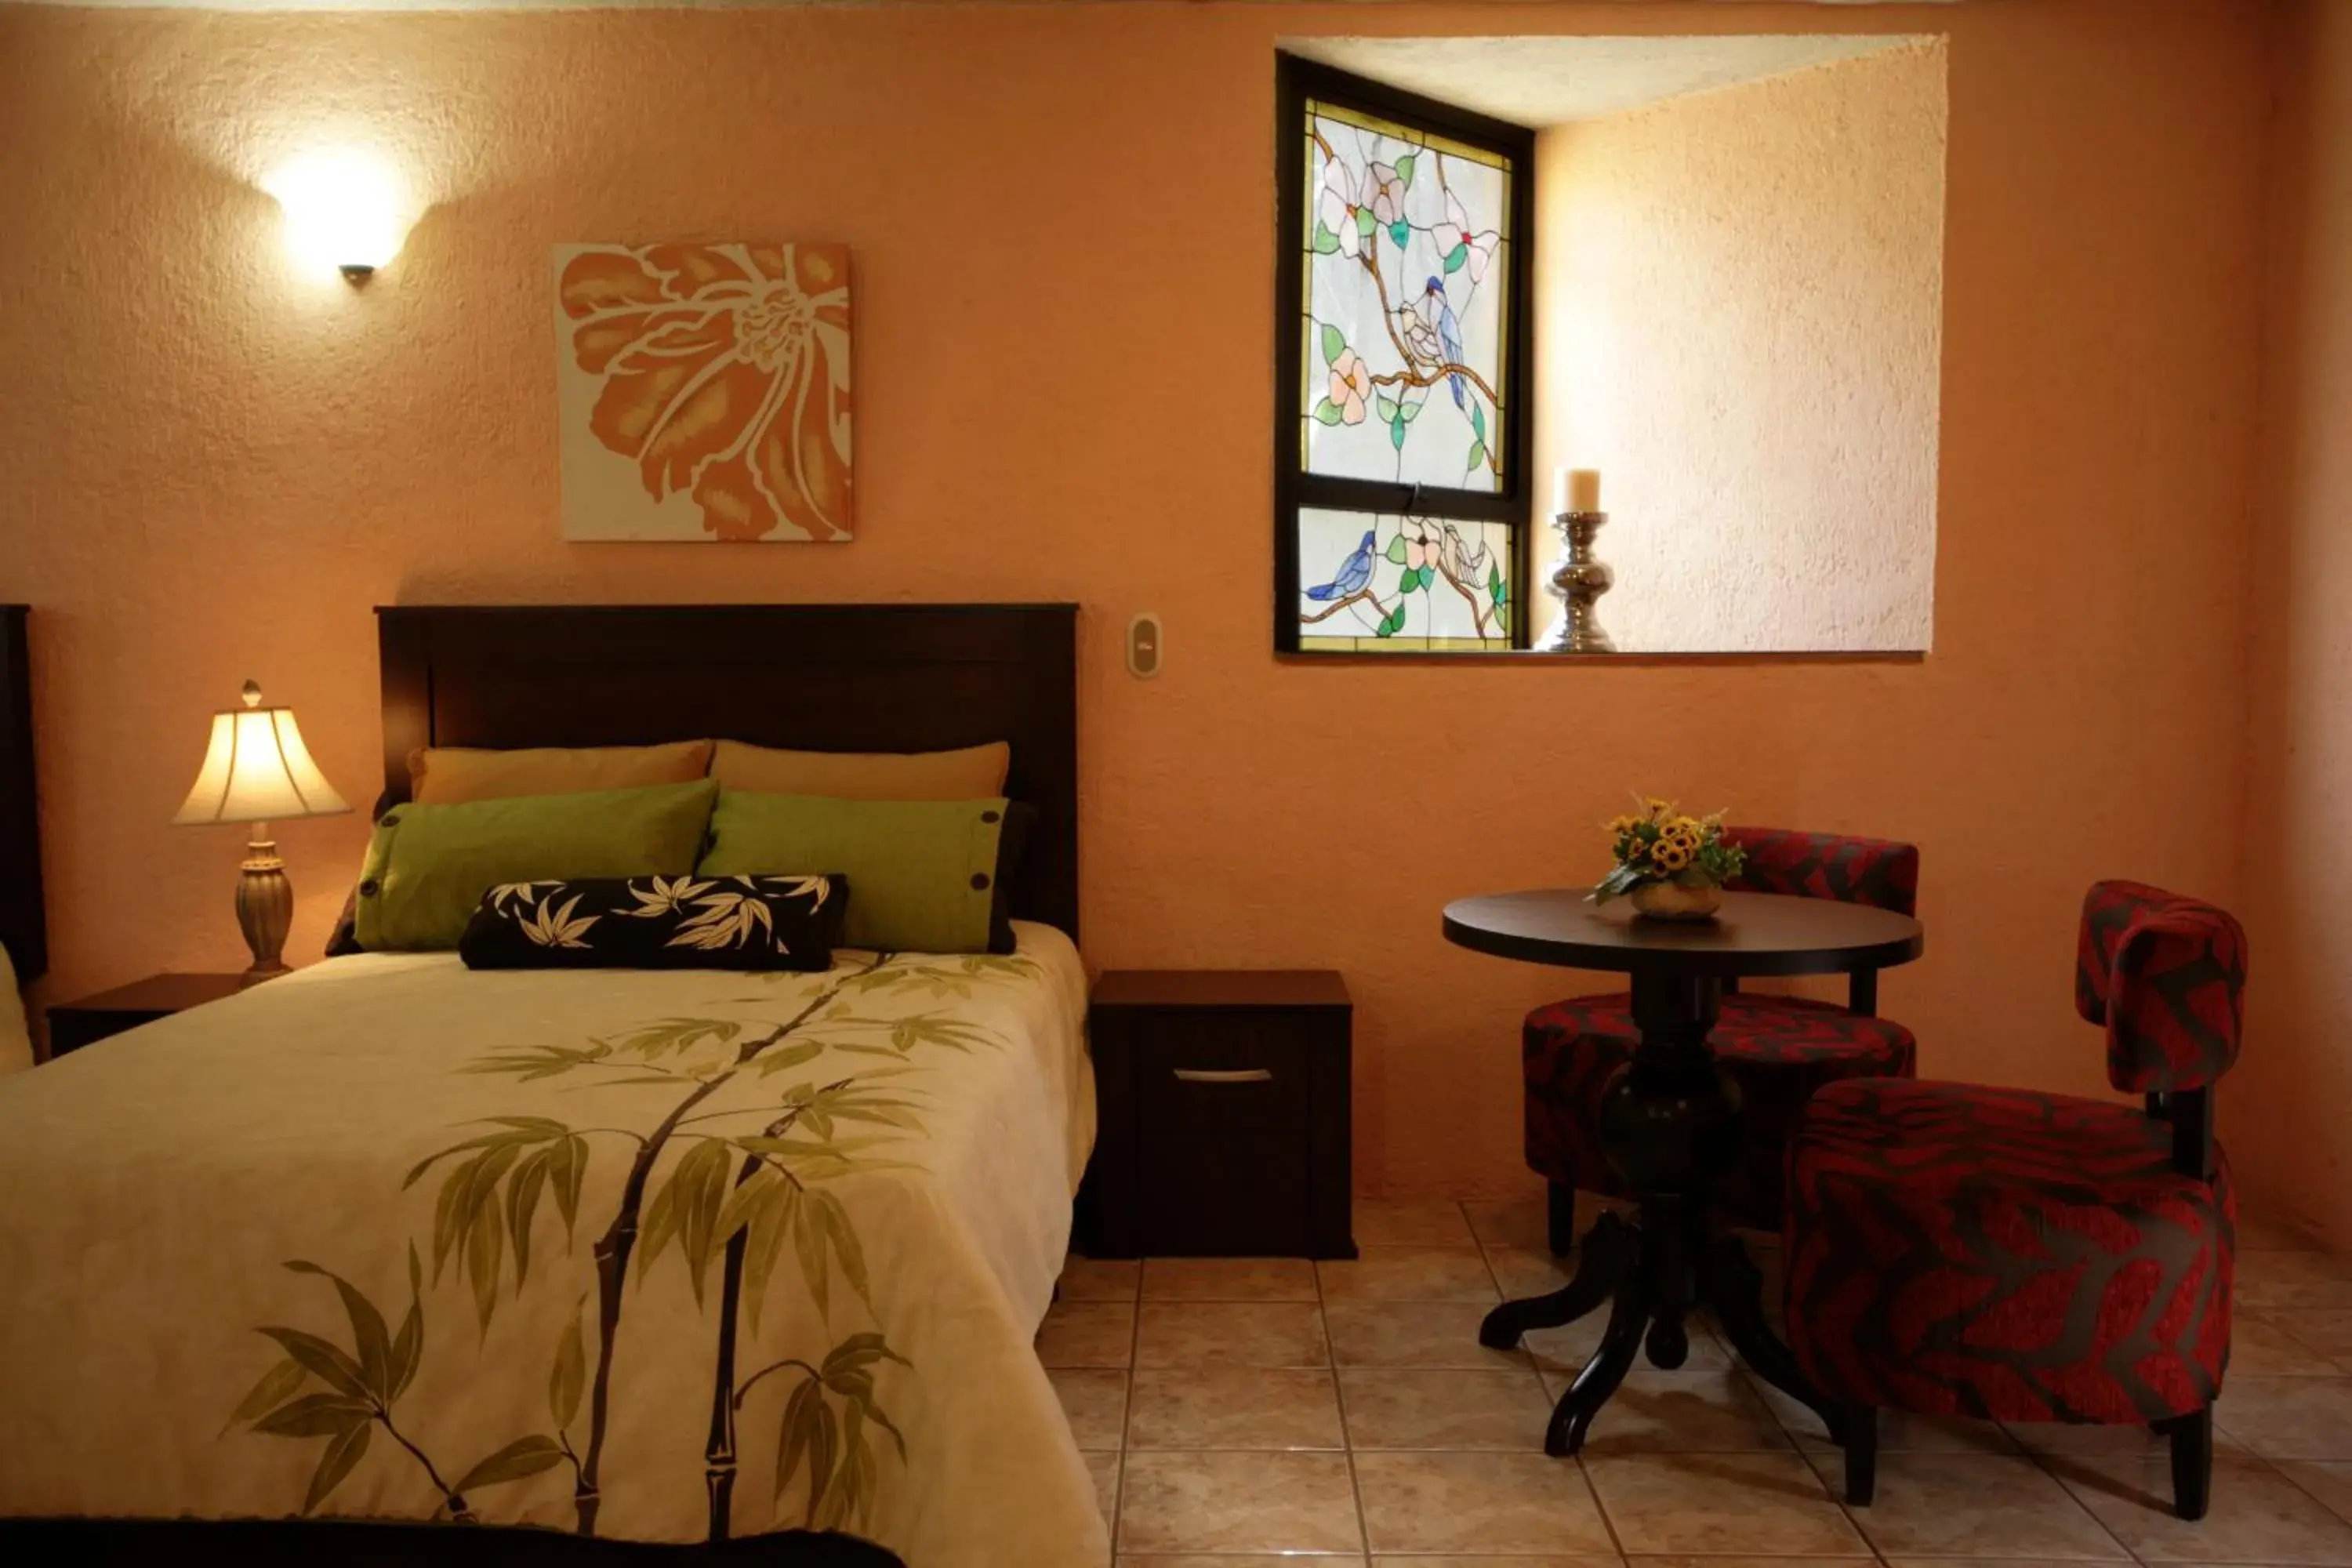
x: 153, y: 1190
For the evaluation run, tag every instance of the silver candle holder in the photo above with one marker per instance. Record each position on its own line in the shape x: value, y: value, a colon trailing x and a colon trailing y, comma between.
x: 1577, y: 580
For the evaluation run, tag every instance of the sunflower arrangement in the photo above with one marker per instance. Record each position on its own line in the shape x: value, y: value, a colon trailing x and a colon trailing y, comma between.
x: 1658, y: 844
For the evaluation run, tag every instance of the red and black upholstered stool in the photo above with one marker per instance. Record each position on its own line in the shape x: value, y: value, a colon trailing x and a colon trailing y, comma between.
x: 1956, y: 1250
x: 1777, y: 1050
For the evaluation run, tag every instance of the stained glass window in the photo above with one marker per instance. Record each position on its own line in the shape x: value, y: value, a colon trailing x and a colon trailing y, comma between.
x: 1401, y: 489
x: 1408, y: 274
x: 1383, y: 582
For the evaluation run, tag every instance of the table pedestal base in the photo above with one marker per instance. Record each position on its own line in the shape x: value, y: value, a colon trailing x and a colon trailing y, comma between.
x: 1670, y: 1122
x: 1652, y: 1272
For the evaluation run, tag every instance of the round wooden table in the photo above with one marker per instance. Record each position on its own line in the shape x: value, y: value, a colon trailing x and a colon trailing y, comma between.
x: 1670, y: 1120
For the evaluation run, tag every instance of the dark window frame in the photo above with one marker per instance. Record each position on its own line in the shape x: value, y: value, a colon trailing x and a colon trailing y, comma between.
x: 1296, y: 81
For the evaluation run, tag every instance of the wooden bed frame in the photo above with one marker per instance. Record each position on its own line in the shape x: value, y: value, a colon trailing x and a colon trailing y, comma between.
x: 821, y: 678
x: 866, y: 677
x: 24, y: 926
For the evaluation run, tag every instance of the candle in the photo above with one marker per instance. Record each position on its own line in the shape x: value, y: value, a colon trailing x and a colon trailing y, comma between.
x: 1583, y: 489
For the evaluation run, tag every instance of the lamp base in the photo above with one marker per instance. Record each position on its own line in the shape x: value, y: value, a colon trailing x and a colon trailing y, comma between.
x: 265, y: 908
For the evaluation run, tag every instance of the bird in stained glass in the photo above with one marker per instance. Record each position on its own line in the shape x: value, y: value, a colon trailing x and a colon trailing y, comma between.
x: 1464, y: 564
x: 1417, y: 325
x: 1355, y: 573
x: 1439, y: 316
x: 1468, y: 568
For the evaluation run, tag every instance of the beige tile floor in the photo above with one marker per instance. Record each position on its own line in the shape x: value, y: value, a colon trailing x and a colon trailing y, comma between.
x: 1236, y: 1412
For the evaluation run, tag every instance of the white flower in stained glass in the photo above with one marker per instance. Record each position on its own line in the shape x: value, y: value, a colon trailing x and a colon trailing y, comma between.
x: 1335, y: 212
x: 1459, y: 247
x: 1351, y: 386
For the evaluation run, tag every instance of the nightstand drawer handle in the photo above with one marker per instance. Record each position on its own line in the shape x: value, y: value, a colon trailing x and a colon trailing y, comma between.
x: 1227, y: 1075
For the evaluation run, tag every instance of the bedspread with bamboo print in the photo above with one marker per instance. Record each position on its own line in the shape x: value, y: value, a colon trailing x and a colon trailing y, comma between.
x: 664, y: 1256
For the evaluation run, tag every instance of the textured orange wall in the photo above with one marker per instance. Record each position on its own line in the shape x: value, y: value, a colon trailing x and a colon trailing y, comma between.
x: 1738, y: 306
x: 2296, y: 1081
x: 1061, y: 219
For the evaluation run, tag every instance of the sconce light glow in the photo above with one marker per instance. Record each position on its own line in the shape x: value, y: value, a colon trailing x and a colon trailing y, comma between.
x: 344, y: 211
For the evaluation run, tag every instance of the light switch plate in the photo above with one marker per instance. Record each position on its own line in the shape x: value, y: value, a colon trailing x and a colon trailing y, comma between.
x: 1144, y: 648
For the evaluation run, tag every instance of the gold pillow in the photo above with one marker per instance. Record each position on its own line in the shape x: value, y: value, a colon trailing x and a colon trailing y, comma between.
x: 976, y: 772
x: 452, y: 775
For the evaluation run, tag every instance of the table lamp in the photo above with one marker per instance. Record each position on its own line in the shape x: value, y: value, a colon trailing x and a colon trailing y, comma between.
x: 257, y: 770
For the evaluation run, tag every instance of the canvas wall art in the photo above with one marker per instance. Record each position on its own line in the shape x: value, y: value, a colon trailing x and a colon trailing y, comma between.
x: 703, y: 391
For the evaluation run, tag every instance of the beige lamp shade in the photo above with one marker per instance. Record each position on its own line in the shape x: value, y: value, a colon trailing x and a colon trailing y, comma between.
x: 257, y: 769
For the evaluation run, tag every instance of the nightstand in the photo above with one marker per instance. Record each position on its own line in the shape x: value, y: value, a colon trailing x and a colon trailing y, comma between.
x: 1223, y: 1115
x: 73, y: 1024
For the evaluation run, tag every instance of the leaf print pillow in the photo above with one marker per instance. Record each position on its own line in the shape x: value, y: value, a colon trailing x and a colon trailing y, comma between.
x: 659, y: 922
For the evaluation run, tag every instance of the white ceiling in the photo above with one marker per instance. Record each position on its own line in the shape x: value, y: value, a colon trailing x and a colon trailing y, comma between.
x: 1540, y: 81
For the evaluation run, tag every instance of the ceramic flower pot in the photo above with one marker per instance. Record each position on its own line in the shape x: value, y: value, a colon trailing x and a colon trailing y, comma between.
x: 1674, y: 901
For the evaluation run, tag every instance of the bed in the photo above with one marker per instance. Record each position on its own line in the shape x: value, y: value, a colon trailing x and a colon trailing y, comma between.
x: 619, y: 1261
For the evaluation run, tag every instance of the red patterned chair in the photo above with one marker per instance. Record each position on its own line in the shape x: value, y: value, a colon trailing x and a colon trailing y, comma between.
x: 1964, y: 1251
x: 1779, y: 1050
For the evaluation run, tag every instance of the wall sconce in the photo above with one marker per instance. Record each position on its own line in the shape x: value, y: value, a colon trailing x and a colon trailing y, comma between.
x: 344, y: 209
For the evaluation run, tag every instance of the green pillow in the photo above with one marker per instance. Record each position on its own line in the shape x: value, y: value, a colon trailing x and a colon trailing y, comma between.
x: 923, y: 874
x: 428, y: 865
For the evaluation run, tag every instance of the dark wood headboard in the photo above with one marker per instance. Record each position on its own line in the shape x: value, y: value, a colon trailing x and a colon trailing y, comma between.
x: 827, y: 677
x: 24, y: 923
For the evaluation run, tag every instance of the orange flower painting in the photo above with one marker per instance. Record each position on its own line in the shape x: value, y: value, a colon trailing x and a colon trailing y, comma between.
x: 704, y: 391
